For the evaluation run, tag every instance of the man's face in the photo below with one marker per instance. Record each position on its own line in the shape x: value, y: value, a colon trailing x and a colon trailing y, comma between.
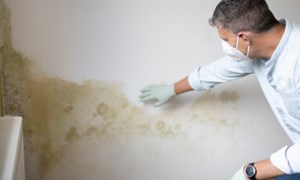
x: 231, y: 39
x: 227, y: 36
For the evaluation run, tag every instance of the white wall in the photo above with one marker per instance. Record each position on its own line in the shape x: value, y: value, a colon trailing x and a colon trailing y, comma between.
x: 134, y: 43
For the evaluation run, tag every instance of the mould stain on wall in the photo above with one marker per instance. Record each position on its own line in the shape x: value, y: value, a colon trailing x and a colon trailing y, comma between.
x: 58, y: 113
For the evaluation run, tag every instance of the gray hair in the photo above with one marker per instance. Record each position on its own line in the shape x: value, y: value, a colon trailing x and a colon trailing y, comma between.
x: 243, y: 15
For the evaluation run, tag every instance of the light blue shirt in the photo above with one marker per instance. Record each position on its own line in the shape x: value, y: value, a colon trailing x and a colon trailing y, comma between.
x: 278, y: 76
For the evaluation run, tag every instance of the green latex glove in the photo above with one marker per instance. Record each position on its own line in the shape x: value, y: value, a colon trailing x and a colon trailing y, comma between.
x: 239, y: 175
x: 160, y: 92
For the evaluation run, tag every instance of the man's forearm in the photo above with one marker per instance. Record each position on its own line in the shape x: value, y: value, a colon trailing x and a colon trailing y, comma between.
x: 182, y: 86
x: 266, y: 170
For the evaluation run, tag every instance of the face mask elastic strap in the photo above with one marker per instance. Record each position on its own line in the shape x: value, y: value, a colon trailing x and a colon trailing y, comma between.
x: 237, y: 45
x: 248, y: 51
x: 237, y: 42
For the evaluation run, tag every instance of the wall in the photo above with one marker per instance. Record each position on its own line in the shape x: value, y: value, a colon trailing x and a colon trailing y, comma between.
x: 73, y: 70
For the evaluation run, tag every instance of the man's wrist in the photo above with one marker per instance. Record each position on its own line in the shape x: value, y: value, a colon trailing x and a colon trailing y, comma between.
x: 250, y: 171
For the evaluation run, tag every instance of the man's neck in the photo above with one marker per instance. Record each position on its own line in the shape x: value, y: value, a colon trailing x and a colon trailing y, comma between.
x: 267, y: 42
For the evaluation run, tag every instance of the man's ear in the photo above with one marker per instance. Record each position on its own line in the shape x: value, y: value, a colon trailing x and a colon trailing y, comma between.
x: 245, y: 36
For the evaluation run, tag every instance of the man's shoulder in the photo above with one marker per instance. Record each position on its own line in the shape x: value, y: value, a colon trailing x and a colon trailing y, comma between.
x: 295, y: 28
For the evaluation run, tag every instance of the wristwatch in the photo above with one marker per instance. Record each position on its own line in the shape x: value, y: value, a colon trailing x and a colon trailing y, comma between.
x: 250, y: 171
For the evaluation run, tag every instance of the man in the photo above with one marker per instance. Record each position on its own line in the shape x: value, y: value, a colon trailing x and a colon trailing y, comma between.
x: 255, y: 42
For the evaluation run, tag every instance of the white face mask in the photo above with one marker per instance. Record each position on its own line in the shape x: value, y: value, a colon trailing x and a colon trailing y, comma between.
x: 234, y: 53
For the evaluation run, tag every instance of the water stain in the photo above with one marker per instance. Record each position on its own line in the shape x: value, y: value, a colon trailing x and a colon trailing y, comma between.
x: 194, y: 118
x: 160, y: 125
x: 92, y: 130
x: 106, y: 112
x: 68, y: 107
x: 229, y: 96
x: 167, y: 133
x: 72, y: 134
x: 59, y: 113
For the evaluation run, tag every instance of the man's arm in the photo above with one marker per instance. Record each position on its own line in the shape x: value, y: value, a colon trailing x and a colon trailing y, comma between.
x: 266, y: 170
x: 182, y: 86
x: 284, y: 161
x: 202, y: 78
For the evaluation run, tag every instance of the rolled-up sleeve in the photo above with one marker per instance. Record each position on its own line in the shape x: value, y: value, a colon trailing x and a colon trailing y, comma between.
x: 287, y: 159
x: 222, y: 70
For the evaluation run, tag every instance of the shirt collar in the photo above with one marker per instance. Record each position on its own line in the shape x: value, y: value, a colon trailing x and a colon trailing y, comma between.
x: 282, y: 43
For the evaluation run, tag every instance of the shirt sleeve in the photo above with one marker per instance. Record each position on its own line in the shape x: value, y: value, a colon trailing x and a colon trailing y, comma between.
x: 222, y: 70
x: 297, y: 75
x: 287, y: 159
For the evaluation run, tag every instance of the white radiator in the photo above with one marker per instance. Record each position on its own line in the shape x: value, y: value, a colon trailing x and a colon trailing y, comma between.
x: 11, y: 149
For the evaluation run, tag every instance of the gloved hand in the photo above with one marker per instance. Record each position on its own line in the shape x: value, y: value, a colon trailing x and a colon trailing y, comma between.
x: 162, y: 93
x: 239, y: 175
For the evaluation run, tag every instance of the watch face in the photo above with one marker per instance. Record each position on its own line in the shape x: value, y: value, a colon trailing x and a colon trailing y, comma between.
x: 250, y: 171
